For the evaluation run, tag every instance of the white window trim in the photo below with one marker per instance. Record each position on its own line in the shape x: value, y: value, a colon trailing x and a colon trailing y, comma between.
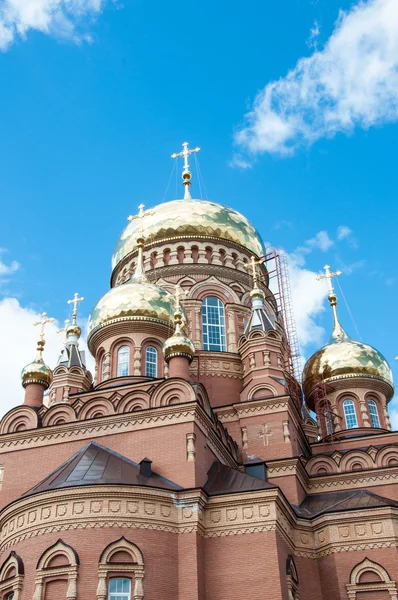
x: 151, y: 363
x: 124, y: 362
x: 350, y: 402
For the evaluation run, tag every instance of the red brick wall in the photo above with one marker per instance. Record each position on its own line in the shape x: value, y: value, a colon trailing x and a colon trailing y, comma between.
x: 55, y: 590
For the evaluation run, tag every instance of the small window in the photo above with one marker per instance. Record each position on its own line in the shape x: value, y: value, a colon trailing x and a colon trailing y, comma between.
x: 151, y: 362
x: 123, y: 360
x: 119, y: 589
x: 103, y: 368
x: 213, y: 321
x: 350, y: 414
x: 374, y: 415
x: 328, y: 422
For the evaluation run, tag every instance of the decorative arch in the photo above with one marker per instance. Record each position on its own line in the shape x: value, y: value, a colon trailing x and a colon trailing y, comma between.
x: 114, y: 351
x: 138, y: 400
x: 57, y: 414
x: 98, y: 407
x: 323, y: 465
x: 387, y: 457
x: 12, y: 575
x: 133, y: 562
x: 19, y: 418
x: 256, y: 391
x: 292, y: 579
x: 172, y: 392
x: 58, y: 562
x: 356, y: 457
x: 368, y: 576
x: 213, y: 287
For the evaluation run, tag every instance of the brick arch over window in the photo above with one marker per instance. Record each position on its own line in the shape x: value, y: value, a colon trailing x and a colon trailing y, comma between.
x: 11, y: 576
x: 132, y: 563
x: 60, y: 562
x: 368, y: 576
x: 292, y: 579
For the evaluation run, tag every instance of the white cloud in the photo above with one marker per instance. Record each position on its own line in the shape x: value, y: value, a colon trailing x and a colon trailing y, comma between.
x: 343, y: 231
x: 8, y: 269
x: 315, y: 31
x: 60, y: 18
x: 352, y: 82
x: 18, y: 348
x: 321, y: 241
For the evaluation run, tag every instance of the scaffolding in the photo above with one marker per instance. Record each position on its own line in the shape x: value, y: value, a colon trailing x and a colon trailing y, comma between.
x: 324, y: 410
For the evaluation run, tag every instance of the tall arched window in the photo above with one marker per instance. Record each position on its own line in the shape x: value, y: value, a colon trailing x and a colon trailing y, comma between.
x: 103, y: 368
x: 350, y: 414
x: 213, y: 320
x: 123, y: 360
x: 374, y: 415
x: 151, y: 362
x: 119, y: 589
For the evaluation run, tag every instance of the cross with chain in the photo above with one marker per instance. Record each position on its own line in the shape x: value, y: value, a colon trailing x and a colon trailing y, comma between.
x: 253, y: 266
x: 75, y: 302
x: 141, y: 215
x: 186, y: 175
x: 328, y: 276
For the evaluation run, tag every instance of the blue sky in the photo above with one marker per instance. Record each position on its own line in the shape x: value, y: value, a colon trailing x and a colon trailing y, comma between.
x: 97, y: 95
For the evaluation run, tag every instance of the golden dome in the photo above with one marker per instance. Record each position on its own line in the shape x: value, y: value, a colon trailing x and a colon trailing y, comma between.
x: 344, y: 358
x: 178, y: 344
x: 200, y: 219
x: 37, y: 372
x: 132, y: 301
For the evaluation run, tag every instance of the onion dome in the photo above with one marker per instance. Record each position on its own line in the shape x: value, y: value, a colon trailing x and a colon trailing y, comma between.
x: 178, y: 344
x: 344, y: 358
x: 135, y: 300
x: 37, y: 372
x: 178, y: 219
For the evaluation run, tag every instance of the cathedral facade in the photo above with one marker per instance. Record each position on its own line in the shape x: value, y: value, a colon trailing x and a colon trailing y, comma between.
x: 190, y: 465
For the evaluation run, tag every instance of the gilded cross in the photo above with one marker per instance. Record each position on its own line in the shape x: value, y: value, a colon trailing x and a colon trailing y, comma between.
x: 186, y: 175
x: 75, y: 302
x: 328, y: 276
x: 253, y: 266
x: 65, y: 327
x: 178, y: 294
x: 141, y: 215
x: 41, y: 342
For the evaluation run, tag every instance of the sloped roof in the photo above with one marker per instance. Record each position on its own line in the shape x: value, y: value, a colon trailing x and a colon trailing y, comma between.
x: 319, y: 504
x: 222, y: 479
x: 97, y: 465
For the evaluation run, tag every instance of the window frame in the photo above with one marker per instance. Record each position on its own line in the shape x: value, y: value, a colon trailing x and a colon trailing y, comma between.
x: 151, y: 349
x: 375, y: 415
x: 123, y: 595
x: 213, y: 330
x: 126, y: 349
x: 348, y: 415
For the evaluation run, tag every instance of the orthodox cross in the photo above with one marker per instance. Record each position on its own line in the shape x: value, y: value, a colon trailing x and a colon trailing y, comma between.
x: 178, y: 294
x: 41, y: 342
x: 75, y: 302
x: 64, y: 328
x: 141, y: 215
x: 328, y: 276
x: 186, y: 175
x: 253, y: 266
x: 265, y: 433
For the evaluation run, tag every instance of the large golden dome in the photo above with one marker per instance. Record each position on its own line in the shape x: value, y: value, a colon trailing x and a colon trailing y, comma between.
x: 344, y: 358
x: 132, y: 301
x: 181, y: 218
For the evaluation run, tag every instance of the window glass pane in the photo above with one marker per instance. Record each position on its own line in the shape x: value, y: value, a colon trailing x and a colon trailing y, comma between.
x: 213, y: 321
x: 123, y: 359
x: 151, y: 362
x: 374, y: 415
x: 119, y: 589
x: 350, y: 414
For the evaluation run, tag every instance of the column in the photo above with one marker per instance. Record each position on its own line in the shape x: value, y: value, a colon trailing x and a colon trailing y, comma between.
x: 231, y: 332
x: 137, y: 360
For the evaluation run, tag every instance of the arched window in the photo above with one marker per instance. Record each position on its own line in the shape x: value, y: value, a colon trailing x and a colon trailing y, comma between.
x: 374, y: 415
x: 103, y: 368
x: 213, y: 319
x: 123, y: 360
x: 119, y: 589
x: 350, y: 414
x: 151, y: 362
x: 328, y: 422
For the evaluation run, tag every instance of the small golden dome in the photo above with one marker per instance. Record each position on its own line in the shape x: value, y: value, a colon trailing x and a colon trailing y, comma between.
x: 178, y: 344
x: 344, y: 358
x: 73, y: 330
x: 200, y: 219
x: 37, y: 372
x: 130, y: 302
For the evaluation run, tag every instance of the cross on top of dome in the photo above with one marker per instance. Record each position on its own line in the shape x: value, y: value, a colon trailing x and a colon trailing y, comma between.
x: 186, y: 174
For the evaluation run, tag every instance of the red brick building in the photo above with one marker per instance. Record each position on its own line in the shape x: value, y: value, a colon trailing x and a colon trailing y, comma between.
x: 188, y: 466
